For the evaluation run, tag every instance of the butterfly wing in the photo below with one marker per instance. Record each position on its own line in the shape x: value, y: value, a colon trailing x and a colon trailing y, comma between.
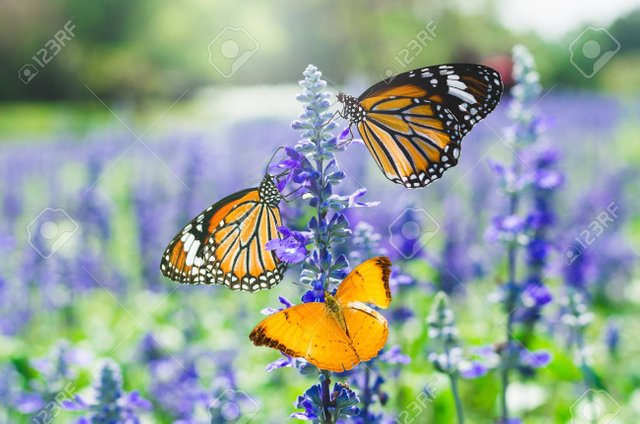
x: 308, y: 331
x: 366, y: 328
x: 225, y: 245
x: 367, y: 283
x: 183, y: 259
x: 236, y: 249
x: 414, y: 124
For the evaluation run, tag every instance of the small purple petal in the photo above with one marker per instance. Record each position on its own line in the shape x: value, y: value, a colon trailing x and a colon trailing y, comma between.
x: 472, y: 369
x: 537, y: 359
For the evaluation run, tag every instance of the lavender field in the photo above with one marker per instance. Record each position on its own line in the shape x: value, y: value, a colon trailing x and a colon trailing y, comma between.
x: 515, y: 270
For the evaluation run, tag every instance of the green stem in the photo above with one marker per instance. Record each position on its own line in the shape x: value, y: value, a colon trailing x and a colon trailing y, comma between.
x: 509, y: 306
x: 453, y: 378
x: 327, y: 418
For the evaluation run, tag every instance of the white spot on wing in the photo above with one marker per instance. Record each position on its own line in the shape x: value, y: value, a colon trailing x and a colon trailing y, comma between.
x: 191, y: 255
x: 462, y: 95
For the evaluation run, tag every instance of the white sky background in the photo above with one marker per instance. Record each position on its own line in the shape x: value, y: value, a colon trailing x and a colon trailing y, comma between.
x: 554, y: 18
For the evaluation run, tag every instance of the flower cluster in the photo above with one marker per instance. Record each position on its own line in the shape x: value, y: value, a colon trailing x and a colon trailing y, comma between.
x: 311, y: 167
x: 530, y: 177
x: 322, y: 405
x: 112, y: 404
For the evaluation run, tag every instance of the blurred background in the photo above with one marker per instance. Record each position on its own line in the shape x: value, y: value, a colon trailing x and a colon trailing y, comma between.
x: 121, y: 120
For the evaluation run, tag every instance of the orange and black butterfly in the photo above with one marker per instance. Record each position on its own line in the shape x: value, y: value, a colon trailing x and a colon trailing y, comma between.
x: 340, y: 332
x: 413, y: 123
x: 225, y: 244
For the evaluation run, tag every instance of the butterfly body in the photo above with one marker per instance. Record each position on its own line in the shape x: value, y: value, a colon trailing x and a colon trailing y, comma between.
x: 340, y: 332
x: 225, y: 244
x: 413, y: 124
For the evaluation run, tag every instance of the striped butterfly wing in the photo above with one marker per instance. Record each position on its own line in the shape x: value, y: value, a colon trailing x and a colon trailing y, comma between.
x: 183, y: 259
x: 413, y: 125
x: 226, y: 243
x: 236, y: 249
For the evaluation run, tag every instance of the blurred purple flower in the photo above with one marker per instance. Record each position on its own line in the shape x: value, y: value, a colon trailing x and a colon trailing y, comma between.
x: 394, y: 355
x: 472, y: 369
x: 112, y: 404
x: 535, y: 359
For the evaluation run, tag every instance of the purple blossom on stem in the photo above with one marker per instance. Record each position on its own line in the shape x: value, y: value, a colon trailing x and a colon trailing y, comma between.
x: 292, y: 248
x: 446, y: 355
x: 112, y: 404
x: 523, y: 299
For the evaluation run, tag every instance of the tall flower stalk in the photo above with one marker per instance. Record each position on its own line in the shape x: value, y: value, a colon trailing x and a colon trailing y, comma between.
x: 112, y: 404
x: 527, y: 182
x: 313, y: 167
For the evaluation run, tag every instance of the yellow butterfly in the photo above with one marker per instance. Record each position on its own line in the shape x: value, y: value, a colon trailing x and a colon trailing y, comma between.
x: 339, y: 333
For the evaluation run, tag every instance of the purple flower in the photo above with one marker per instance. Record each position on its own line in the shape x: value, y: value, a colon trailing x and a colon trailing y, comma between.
x: 294, y: 167
x: 536, y: 359
x: 316, y: 294
x: 292, y: 248
x: 112, y: 404
x: 395, y: 356
x: 342, y: 400
x: 536, y: 294
x: 283, y: 300
x: 354, y: 203
x: 472, y: 369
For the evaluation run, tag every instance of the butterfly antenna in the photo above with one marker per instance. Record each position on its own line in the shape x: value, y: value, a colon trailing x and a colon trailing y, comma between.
x: 286, y: 196
x: 337, y: 112
x: 299, y: 284
x: 266, y: 171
